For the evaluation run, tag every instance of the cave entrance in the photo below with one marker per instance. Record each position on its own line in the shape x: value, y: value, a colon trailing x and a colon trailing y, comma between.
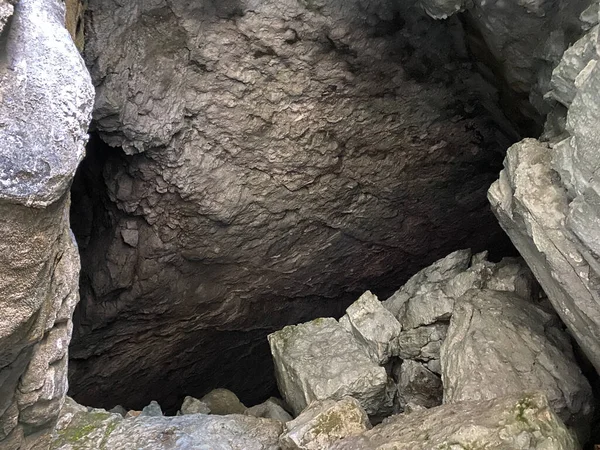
x: 245, y: 173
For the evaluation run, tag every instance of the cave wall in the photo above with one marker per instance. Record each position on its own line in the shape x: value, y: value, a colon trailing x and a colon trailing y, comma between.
x: 46, y: 99
x: 271, y: 160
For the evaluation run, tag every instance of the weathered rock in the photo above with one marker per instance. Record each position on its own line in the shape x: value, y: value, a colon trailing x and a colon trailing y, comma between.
x: 518, y: 422
x: 525, y: 40
x: 319, y: 360
x: 323, y: 423
x: 80, y: 429
x: 422, y: 343
x: 534, y: 208
x: 118, y: 410
x: 498, y: 344
x: 223, y: 402
x: 373, y: 326
x: 152, y: 410
x: 192, y: 405
x: 417, y: 385
x: 270, y: 409
x: 45, y: 106
x: 283, y: 156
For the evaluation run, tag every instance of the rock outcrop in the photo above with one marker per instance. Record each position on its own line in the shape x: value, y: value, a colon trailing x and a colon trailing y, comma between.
x: 274, y: 160
x: 500, y: 344
x: 519, y: 422
x: 547, y: 196
x: 45, y: 107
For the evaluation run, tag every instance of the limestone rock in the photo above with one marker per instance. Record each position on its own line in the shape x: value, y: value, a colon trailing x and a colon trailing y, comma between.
x: 192, y: 405
x: 152, y: 410
x: 518, y: 422
x: 223, y: 402
x: 46, y: 99
x: 270, y: 409
x: 373, y: 326
x: 283, y: 157
x: 319, y: 360
x: 499, y: 344
x: 323, y: 423
x: 533, y: 206
x: 80, y: 429
x: 417, y: 385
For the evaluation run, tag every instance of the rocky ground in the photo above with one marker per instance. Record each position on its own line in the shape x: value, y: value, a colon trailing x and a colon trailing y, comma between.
x: 468, y: 354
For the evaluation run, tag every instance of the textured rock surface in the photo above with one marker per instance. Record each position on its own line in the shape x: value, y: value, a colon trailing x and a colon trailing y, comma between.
x: 96, y: 429
x: 523, y: 41
x: 524, y: 422
x: 373, y: 326
x: 541, y: 218
x: 45, y: 106
x: 320, y: 360
x: 222, y: 402
x: 283, y: 157
x: 6, y: 11
x: 270, y: 409
x: 323, y: 423
x: 499, y: 344
x: 417, y: 385
x: 192, y: 405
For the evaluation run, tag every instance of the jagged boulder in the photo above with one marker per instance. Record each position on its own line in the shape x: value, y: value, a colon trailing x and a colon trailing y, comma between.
x: 323, y: 423
x: 320, y: 360
x: 518, y: 422
x: 499, y: 344
x: 270, y: 409
x: 46, y: 99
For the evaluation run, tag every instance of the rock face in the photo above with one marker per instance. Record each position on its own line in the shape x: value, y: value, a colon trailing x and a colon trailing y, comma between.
x: 45, y: 107
x: 278, y: 159
x: 547, y: 196
x: 523, y: 41
x: 500, y: 344
x: 96, y: 429
x: 524, y: 422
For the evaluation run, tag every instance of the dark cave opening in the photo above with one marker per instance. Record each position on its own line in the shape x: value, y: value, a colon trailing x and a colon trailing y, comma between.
x: 191, y: 254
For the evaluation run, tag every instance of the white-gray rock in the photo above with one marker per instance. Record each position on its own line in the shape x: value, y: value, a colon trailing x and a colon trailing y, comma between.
x: 192, y: 405
x: 518, y: 422
x: 152, y: 410
x: 499, y: 344
x: 80, y: 429
x: 320, y: 360
x: 373, y: 326
x: 270, y: 409
x: 323, y: 423
x: 46, y: 99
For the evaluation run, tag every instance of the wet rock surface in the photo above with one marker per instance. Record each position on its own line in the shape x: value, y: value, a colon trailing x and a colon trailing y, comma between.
x: 274, y: 160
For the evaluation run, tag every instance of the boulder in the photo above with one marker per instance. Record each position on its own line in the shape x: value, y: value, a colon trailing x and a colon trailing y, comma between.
x: 373, y: 326
x: 223, y: 402
x: 516, y: 422
x: 93, y: 429
x: 46, y: 98
x: 192, y: 405
x: 152, y: 410
x: 270, y: 409
x: 320, y: 360
x: 499, y: 344
x: 323, y: 423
